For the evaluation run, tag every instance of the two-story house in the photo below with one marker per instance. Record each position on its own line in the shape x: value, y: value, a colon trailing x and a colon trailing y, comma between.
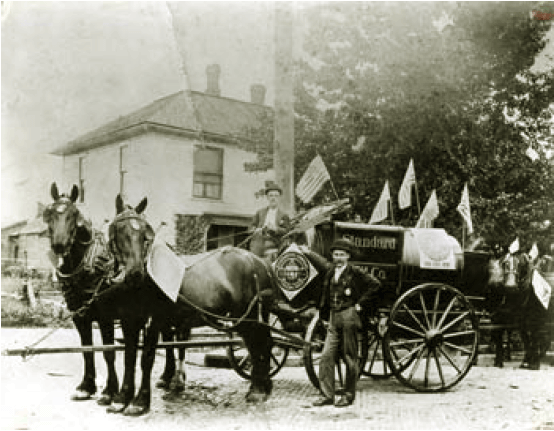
x: 185, y: 153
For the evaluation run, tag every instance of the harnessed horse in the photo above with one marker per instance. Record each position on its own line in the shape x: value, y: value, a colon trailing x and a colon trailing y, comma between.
x: 511, y: 301
x: 227, y: 284
x: 78, y: 245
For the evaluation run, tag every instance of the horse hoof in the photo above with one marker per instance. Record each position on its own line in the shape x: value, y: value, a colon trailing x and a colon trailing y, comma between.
x: 104, y: 400
x: 256, y: 398
x: 178, y: 387
x: 81, y: 395
x: 115, y: 408
x: 132, y: 410
x: 162, y: 384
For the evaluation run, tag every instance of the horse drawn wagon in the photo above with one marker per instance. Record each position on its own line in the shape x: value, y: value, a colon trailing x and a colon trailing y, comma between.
x: 424, y: 331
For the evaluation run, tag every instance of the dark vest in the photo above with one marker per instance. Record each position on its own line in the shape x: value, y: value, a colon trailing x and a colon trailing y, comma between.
x: 341, y: 293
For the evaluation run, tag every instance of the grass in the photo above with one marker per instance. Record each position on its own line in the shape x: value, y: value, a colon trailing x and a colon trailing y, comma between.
x: 16, y: 313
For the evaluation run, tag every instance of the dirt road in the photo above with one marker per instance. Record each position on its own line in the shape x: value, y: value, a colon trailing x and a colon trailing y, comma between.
x: 35, y: 396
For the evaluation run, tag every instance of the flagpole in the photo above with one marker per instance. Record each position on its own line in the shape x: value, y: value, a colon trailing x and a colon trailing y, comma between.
x: 334, y: 190
x: 417, y: 198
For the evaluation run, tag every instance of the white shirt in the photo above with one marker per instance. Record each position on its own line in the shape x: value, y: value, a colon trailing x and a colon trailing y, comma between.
x: 270, y: 218
x: 338, y: 272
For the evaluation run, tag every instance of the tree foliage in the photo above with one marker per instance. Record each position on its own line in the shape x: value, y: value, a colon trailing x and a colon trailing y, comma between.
x: 437, y: 82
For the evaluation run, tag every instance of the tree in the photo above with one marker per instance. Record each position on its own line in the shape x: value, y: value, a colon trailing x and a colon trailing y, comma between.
x: 432, y: 82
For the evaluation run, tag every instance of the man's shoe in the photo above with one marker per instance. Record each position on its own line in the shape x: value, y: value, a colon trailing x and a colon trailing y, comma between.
x: 343, y: 402
x: 323, y: 401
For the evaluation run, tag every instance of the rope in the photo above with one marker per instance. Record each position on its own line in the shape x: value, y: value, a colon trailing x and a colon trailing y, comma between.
x: 28, y: 354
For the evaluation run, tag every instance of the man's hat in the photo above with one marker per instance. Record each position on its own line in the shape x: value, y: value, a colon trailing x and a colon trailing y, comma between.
x: 270, y: 186
x: 343, y: 244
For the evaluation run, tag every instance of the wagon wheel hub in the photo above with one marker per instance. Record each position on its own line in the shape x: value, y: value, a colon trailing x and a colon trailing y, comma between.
x: 433, y: 338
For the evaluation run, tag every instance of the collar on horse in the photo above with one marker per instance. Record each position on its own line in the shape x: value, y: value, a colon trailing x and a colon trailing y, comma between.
x: 94, y: 247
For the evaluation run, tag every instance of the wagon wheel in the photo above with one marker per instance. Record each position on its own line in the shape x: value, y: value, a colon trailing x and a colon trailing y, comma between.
x: 315, y: 335
x: 376, y: 365
x: 239, y: 357
x: 432, y: 337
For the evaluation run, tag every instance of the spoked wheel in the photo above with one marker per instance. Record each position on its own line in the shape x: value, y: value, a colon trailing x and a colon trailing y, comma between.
x: 239, y: 357
x: 376, y: 365
x: 432, y: 337
x: 315, y: 334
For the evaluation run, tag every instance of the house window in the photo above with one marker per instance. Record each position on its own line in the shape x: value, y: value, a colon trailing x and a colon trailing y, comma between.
x: 208, y: 172
x: 82, y: 179
x: 123, y: 151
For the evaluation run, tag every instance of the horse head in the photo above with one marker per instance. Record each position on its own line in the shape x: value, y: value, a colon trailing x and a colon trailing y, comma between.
x: 63, y: 219
x: 130, y: 237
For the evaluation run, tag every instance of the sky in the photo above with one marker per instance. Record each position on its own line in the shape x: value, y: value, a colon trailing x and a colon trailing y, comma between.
x: 70, y: 67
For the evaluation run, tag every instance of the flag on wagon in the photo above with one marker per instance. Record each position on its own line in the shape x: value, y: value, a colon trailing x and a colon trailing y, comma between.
x: 381, y: 210
x: 514, y: 246
x: 465, y: 210
x: 313, y: 179
x: 542, y: 289
x: 430, y: 212
x: 534, y: 252
x: 405, y: 192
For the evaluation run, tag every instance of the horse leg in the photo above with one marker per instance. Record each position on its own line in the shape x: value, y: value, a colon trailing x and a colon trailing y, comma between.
x: 525, y: 339
x: 112, y: 384
x: 257, y: 339
x: 496, y: 338
x: 141, y: 403
x: 164, y: 381
x: 179, y: 378
x: 87, y: 387
x: 131, y: 330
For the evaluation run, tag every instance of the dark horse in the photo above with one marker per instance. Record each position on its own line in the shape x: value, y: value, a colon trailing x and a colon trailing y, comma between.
x: 512, y: 302
x: 77, y: 245
x: 229, y: 282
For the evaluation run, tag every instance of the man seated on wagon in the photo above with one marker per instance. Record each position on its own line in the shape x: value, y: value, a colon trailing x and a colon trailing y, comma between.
x: 269, y: 224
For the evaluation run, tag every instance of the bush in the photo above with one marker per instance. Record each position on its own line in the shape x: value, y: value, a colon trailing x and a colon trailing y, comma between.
x: 16, y: 313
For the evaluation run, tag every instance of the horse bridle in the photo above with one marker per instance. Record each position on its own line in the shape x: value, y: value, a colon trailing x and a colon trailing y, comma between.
x: 130, y: 214
x: 62, y: 205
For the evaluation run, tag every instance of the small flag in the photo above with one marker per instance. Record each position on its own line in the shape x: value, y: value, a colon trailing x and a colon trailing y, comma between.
x: 313, y: 179
x: 542, y: 289
x: 534, y: 252
x: 430, y: 212
x: 381, y: 210
x: 405, y: 193
x: 514, y: 247
x: 465, y: 210
x: 532, y: 154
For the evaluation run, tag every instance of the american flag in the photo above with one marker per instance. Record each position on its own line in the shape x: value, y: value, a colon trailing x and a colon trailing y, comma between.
x: 405, y: 192
x: 313, y: 179
x: 430, y: 212
x: 381, y: 210
x: 465, y: 210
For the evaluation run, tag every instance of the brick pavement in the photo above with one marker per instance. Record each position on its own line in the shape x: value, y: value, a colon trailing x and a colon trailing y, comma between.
x: 35, y: 396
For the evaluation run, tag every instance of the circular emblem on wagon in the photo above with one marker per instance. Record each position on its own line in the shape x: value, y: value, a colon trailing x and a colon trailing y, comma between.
x: 292, y: 270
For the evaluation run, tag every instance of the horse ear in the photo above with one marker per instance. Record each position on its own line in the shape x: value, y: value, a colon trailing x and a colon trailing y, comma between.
x: 141, y: 206
x: 54, y: 191
x: 119, y: 207
x: 74, y: 193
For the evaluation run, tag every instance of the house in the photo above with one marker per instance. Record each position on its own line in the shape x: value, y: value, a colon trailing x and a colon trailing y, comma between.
x: 186, y: 153
x: 26, y: 243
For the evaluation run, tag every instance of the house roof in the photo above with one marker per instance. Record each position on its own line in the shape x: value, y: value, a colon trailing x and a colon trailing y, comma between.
x: 215, y: 117
x: 31, y: 227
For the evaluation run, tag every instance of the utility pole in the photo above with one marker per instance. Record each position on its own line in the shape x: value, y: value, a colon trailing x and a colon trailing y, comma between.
x: 283, y: 144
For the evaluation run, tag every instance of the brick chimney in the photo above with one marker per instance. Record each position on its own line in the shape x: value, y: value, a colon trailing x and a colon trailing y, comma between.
x: 257, y: 93
x: 212, y: 72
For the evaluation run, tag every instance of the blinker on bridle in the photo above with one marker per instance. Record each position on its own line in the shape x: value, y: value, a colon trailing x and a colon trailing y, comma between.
x: 135, y: 220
